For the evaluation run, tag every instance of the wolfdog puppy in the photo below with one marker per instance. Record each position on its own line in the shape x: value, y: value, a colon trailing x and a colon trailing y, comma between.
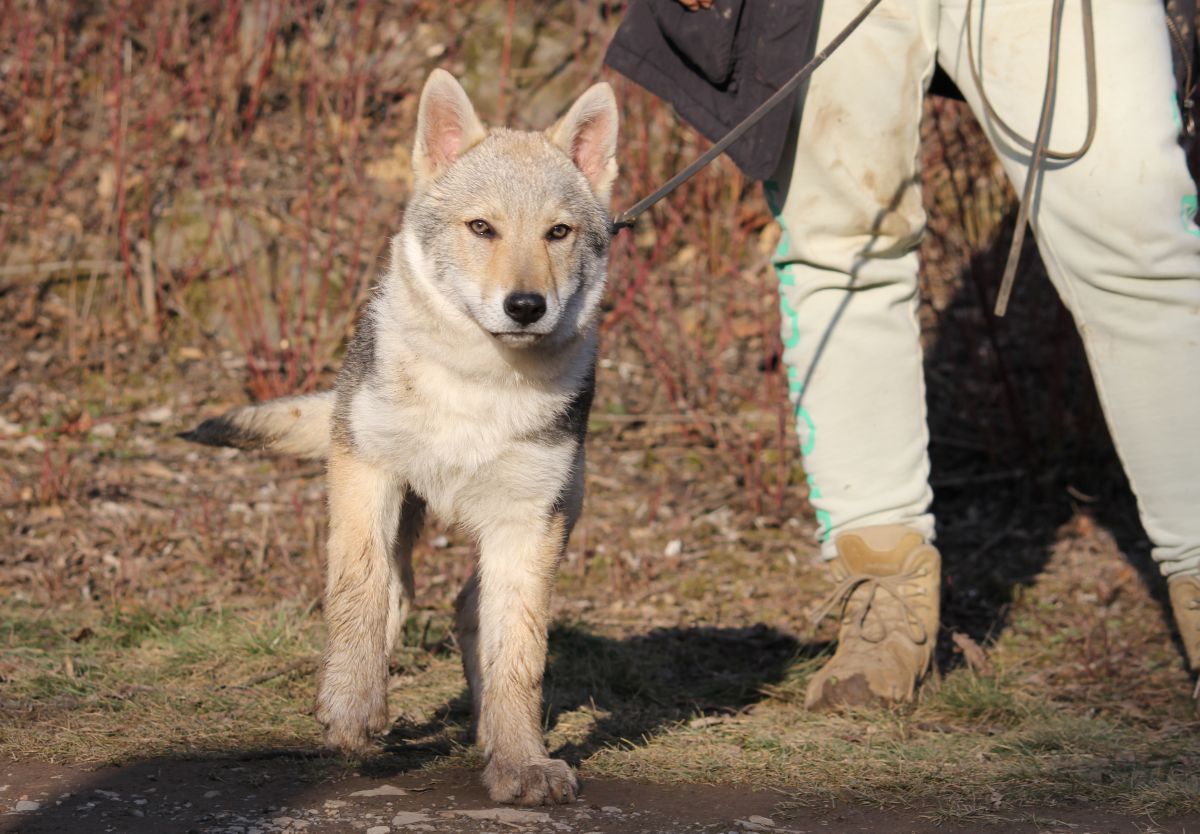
x: 465, y: 390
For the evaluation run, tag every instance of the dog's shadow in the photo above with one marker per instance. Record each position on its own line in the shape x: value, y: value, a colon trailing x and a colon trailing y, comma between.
x: 621, y: 692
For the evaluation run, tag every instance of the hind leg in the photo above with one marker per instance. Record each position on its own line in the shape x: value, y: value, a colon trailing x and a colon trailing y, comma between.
x: 361, y: 601
x: 466, y: 632
x: 412, y: 519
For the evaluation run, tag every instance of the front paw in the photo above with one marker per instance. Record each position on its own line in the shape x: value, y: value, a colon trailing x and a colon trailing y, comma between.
x: 532, y: 782
x: 351, y: 721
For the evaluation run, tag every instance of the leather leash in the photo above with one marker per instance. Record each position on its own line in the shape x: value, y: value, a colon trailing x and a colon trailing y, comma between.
x: 625, y: 219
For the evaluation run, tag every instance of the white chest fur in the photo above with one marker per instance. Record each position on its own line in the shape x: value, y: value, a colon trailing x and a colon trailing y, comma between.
x: 458, y: 443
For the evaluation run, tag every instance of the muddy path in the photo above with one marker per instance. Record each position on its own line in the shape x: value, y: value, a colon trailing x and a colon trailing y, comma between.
x: 273, y: 794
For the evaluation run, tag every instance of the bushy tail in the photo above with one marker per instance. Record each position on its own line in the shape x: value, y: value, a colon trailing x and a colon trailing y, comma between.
x: 291, y: 425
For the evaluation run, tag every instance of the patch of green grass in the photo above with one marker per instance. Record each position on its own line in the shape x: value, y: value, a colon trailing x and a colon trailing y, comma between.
x: 108, y: 687
x: 131, y: 628
x: 979, y: 699
x: 277, y: 633
x: 1059, y: 734
x: 142, y: 682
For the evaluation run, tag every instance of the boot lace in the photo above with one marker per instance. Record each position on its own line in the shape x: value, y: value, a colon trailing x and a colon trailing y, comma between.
x: 897, y: 587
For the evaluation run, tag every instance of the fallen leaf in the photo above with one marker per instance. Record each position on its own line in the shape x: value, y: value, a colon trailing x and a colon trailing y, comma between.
x: 81, y: 635
x: 155, y: 416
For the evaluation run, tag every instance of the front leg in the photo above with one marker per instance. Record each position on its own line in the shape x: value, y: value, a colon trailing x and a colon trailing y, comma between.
x: 362, y: 589
x: 517, y: 566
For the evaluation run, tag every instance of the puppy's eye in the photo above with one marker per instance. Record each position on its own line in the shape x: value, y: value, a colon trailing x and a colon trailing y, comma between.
x: 558, y: 231
x: 481, y: 228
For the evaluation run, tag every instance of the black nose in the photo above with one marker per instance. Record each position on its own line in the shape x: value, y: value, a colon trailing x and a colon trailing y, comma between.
x: 525, y: 307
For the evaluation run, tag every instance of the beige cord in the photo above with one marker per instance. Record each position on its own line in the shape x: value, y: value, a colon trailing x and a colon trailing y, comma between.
x: 1038, y: 148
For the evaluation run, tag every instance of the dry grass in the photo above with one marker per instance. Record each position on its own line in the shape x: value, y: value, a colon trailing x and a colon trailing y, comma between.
x: 699, y: 703
x: 193, y: 202
x: 690, y: 702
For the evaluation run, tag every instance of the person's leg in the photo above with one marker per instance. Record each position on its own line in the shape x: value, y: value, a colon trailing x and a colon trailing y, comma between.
x: 1117, y: 232
x: 849, y: 204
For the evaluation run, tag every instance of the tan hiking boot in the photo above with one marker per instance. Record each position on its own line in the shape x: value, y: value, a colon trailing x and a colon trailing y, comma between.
x: 887, y: 596
x: 1185, y: 603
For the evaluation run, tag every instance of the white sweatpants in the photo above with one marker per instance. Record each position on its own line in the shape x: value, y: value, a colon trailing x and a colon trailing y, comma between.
x: 1116, y: 230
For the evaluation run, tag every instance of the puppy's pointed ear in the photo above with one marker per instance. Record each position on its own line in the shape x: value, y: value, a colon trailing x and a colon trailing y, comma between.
x: 447, y: 126
x: 588, y: 134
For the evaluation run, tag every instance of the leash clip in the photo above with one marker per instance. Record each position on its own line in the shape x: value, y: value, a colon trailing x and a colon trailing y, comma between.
x: 622, y: 221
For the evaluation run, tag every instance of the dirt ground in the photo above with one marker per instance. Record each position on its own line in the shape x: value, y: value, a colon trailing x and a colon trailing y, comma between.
x: 187, y: 225
x: 274, y: 794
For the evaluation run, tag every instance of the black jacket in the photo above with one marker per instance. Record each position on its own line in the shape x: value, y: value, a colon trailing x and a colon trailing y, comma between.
x: 716, y: 65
